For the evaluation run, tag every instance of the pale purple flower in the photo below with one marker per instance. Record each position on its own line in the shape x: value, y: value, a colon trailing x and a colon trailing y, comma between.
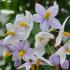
x: 65, y: 65
x: 46, y: 18
x: 21, y: 50
x: 17, y: 63
x: 54, y: 59
x: 63, y: 51
x: 18, y: 50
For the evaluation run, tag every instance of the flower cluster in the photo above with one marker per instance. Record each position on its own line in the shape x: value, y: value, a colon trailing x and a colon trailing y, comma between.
x: 16, y: 42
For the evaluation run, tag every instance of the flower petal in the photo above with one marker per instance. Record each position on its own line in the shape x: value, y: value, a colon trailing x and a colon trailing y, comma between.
x: 44, y: 26
x: 42, y: 39
x: 23, y: 33
x: 46, y: 61
x: 25, y: 44
x: 40, y: 9
x: 19, y: 16
x: 12, y: 39
x: 26, y: 57
x: 6, y: 39
x: 26, y: 65
x: 39, y: 51
x: 65, y: 65
x: 17, y: 63
x: 28, y: 16
x: 62, y: 58
x: 15, y: 55
x: 54, y: 59
x: 67, y: 44
x: 62, y: 54
x: 45, y: 35
x: 54, y: 23
x: 63, y: 25
x: 37, y: 18
x: 10, y: 27
x: 59, y: 38
x: 54, y: 10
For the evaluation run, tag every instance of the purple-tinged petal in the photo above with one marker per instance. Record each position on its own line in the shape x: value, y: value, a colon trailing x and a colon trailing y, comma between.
x: 17, y: 63
x: 44, y: 26
x: 25, y: 45
x: 15, y: 46
x: 53, y: 10
x: 54, y: 23
x: 15, y: 55
x: 67, y: 44
x: 1, y: 42
x: 54, y: 59
x: 26, y: 57
x: 30, y: 51
x: 40, y: 9
x: 65, y: 65
x: 45, y: 60
x: 37, y: 18
x: 62, y: 54
x: 26, y: 65
x: 5, y: 49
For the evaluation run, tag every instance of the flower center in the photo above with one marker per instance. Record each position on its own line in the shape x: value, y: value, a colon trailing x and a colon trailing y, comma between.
x: 68, y: 50
x: 38, y: 62
x: 7, y: 53
x: 67, y: 34
x: 23, y: 24
x: 47, y: 14
x: 10, y: 33
x: 32, y: 67
x: 21, y: 53
x: 41, y: 38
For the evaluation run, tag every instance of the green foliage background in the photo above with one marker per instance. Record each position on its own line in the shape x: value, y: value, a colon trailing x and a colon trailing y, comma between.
x: 19, y: 6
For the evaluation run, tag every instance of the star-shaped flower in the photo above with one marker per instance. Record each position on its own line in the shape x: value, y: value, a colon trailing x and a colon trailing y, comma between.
x: 46, y: 18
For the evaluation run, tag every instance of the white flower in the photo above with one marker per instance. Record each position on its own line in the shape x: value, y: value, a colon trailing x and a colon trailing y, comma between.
x: 63, y: 51
x: 21, y: 28
x: 62, y: 33
x: 12, y: 34
x: 24, y: 23
x: 42, y: 39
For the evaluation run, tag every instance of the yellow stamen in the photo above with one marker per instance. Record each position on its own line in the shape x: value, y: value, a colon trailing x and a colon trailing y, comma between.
x: 6, y: 54
x: 47, y: 14
x: 67, y: 34
x: 21, y: 53
x: 23, y: 24
x: 38, y: 63
x: 32, y: 67
x: 41, y: 38
x: 10, y: 33
x: 68, y: 50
